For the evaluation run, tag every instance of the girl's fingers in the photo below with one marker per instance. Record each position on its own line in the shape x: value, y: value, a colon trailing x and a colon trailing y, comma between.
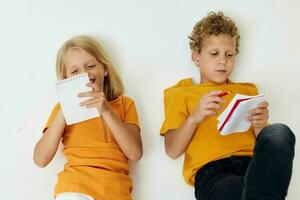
x: 88, y: 94
x: 94, y: 86
x: 91, y: 94
x: 90, y: 101
x: 93, y: 105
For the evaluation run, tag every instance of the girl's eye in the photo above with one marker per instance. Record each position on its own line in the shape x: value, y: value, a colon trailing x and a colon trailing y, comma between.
x: 74, y: 72
x: 91, y: 66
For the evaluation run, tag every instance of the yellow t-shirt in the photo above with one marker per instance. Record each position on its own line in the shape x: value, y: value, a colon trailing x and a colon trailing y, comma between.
x: 96, y: 165
x: 207, y: 144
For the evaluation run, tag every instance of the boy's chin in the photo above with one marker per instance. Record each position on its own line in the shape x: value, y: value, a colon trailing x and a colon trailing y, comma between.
x: 218, y: 82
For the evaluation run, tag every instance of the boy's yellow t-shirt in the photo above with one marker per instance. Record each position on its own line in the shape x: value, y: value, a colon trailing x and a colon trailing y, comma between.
x: 96, y: 165
x: 207, y: 144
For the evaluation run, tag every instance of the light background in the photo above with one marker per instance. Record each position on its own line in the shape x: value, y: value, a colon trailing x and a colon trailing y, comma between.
x: 148, y: 40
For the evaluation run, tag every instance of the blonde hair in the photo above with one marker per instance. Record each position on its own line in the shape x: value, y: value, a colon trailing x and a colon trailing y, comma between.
x: 113, y: 86
x: 213, y: 24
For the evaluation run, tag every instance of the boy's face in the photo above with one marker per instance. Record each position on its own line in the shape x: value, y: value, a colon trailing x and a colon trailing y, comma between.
x: 216, y: 59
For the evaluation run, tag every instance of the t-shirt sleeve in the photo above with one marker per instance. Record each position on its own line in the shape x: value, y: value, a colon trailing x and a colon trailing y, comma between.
x: 176, y: 112
x: 52, y: 116
x: 131, y: 116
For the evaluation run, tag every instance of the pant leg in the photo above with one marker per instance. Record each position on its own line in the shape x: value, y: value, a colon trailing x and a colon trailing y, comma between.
x: 222, y: 180
x: 269, y: 173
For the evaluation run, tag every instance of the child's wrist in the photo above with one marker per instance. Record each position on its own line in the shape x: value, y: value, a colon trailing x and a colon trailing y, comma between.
x: 192, y: 121
x: 106, y: 112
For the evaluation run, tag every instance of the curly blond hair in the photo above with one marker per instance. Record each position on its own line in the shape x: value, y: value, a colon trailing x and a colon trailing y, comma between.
x: 213, y: 24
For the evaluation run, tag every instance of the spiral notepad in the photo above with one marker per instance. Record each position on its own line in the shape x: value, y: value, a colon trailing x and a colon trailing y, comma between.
x: 67, y: 92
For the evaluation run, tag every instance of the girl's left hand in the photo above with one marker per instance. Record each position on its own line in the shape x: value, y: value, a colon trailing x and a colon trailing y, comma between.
x: 259, y: 117
x: 98, y: 99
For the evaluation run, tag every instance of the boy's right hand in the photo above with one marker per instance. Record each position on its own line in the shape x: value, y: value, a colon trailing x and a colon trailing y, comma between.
x: 207, y: 106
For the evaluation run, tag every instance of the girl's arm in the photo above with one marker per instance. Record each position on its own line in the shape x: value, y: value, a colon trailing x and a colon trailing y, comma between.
x: 177, y: 140
x: 46, y: 147
x: 127, y: 135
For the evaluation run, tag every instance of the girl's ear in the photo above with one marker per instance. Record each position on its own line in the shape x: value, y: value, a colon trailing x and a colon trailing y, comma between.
x: 105, y: 73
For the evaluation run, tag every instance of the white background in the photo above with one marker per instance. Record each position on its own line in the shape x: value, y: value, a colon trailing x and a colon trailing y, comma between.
x: 148, y: 40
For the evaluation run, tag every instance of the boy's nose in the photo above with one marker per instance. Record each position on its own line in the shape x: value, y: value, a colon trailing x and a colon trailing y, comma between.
x: 222, y: 60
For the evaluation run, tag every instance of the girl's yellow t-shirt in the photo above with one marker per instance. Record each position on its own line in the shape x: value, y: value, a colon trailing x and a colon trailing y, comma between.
x: 207, y: 144
x: 96, y: 165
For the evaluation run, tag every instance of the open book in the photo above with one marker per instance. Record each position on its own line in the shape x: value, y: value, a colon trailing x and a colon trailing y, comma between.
x: 233, y: 118
x: 67, y: 92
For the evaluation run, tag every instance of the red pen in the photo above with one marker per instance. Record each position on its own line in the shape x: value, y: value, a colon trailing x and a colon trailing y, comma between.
x: 222, y: 94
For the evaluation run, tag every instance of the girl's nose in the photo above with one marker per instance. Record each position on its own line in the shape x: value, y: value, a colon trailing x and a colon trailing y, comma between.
x: 86, y: 71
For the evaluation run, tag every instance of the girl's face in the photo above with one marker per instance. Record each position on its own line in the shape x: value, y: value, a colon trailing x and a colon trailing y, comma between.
x: 216, y: 59
x: 79, y: 61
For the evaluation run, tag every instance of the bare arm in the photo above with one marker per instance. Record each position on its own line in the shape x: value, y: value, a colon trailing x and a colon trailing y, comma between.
x: 177, y: 140
x: 127, y: 135
x: 46, y: 147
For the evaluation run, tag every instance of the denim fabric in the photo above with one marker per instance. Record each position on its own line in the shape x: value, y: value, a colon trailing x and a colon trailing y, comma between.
x: 266, y: 176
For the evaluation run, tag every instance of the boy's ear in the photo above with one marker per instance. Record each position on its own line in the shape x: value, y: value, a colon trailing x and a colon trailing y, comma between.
x: 195, y: 58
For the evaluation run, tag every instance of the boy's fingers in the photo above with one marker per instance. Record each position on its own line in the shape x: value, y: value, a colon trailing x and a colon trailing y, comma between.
x: 258, y: 110
x: 258, y: 122
x: 213, y: 106
x: 215, y: 99
x: 263, y: 104
x: 212, y: 93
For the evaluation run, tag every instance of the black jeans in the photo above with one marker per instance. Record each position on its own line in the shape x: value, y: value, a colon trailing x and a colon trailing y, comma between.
x: 266, y: 176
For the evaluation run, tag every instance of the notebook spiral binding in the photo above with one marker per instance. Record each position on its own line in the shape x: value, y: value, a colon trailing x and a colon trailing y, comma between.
x: 64, y: 81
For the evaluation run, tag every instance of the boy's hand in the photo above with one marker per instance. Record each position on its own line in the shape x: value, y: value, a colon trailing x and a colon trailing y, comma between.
x: 98, y: 99
x: 207, y: 106
x: 259, y: 117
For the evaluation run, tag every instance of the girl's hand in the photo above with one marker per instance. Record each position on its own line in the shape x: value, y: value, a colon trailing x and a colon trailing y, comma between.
x: 207, y: 106
x: 98, y: 99
x: 259, y: 117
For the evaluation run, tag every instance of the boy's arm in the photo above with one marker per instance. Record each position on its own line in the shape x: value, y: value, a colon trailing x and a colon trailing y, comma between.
x: 46, y: 147
x: 177, y: 140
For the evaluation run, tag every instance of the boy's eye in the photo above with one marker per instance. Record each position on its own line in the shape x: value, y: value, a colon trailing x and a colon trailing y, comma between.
x: 214, y: 53
x: 229, y: 55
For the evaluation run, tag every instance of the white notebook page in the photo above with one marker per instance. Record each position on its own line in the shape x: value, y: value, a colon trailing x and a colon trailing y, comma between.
x: 67, y: 92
